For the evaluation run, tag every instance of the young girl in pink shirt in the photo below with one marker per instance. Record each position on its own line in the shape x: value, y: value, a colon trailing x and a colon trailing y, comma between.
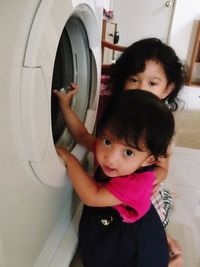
x: 119, y: 225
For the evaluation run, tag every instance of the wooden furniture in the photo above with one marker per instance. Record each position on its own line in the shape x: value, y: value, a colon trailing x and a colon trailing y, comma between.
x: 195, y: 59
x: 112, y: 47
x: 109, y: 29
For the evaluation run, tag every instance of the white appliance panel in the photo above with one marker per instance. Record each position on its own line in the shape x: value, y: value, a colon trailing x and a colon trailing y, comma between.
x: 39, y: 211
x: 39, y: 61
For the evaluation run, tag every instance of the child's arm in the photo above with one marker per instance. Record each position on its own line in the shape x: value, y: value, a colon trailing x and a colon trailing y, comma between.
x: 75, y: 126
x: 86, y: 188
x: 161, y: 169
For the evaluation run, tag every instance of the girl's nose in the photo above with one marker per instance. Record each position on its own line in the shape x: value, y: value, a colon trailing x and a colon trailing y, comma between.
x: 141, y: 85
x: 111, y: 157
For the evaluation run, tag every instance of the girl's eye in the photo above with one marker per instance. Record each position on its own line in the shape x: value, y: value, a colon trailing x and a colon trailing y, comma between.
x: 132, y: 79
x: 107, y: 142
x: 153, y: 84
x: 128, y: 153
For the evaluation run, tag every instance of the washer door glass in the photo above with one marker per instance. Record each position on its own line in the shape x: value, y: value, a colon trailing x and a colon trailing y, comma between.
x: 72, y: 64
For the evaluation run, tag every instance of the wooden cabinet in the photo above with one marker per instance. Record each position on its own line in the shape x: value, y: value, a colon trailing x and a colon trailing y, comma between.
x: 195, y: 61
x: 109, y: 29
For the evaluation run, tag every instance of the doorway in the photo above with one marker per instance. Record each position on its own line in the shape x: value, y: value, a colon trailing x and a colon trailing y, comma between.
x: 142, y: 19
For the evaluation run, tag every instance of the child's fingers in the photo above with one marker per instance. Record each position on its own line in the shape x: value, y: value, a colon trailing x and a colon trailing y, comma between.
x: 174, y: 246
x: 74, y: 86
x: 58, y: 93
x: 71, y: 92
x: 55, y: 91
x: 60, y: 149
x: 73, y: 89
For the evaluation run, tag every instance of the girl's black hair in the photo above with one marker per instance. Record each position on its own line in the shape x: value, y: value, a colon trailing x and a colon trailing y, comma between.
x: 132, y: 61
x: 136, y: 115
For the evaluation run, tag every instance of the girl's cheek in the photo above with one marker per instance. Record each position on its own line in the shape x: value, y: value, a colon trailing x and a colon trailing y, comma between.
x: 99, y: 153
x: 130, y: 86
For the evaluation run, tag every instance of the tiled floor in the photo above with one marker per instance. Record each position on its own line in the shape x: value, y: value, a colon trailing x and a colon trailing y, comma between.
x: 184, y: 179
x: 188, y: 118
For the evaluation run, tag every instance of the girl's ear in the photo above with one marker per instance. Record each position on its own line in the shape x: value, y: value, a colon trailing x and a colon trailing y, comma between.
x: 148, y: 161
x: 168, y: 90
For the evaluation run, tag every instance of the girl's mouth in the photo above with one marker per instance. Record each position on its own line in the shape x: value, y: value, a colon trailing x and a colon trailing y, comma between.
x: 109, y: 171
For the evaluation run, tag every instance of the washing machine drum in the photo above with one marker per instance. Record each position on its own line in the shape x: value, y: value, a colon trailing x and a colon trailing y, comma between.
x: 75, y: 58
x: 72, y: 64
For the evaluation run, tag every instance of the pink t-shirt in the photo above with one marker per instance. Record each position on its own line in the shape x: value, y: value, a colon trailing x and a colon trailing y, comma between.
x: 134, y: 191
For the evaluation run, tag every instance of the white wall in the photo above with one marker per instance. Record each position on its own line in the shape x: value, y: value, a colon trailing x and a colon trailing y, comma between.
x: 107, y: 4
x: 143, y: 19
x: 183, y: 25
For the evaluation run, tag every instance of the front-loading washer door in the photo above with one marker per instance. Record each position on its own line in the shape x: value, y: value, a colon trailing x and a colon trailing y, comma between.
x: 69, y: 51
x: 72, y: 64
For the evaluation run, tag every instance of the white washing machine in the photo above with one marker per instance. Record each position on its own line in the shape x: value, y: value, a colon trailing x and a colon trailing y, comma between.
x: 45, y: 44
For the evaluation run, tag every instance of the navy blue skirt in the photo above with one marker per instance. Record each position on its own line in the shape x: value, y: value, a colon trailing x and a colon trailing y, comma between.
x: 106, y: 241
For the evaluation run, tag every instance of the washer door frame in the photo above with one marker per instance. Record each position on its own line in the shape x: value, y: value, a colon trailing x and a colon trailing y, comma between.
x: 36, y: 82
